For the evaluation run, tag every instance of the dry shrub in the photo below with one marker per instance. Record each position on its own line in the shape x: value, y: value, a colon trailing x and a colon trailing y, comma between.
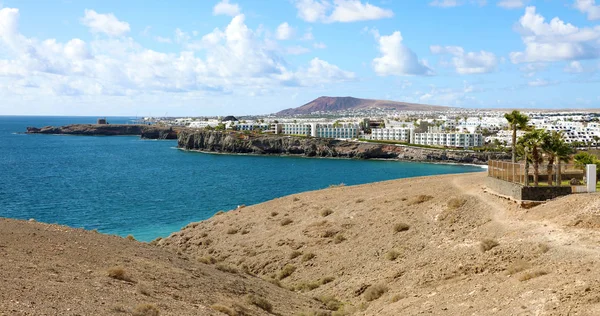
x: 308, y: 257
x: 259, y: 302
x: 517, y: 266
x: 296, y: 199
x: 274, y: 281
x: 118, y: 273
x: 488, y: 244
x: 207, y: 260
x: 144, y: 290
x: 400, y: 227
x: 295, y: 254
x: 326, y: 212
x: 232, y: 231
x: 329, y: 233
x: 531, y: 275
x: 118, y: 309
x: 330, y: 302
x: 374, y: 292
x: 130, y: 238
x: 420, y: 199
x: 145, y: 310
x: 326, y: 280
x: 286, y: 221
x: 360, y: 200
x: 287, y: 270
x: 339, y: 238
x: 219, y: 213
x: 244, y: 232
x: 224, y: 309
x: 227, y: 268
x: 397, y: 297
x: 273, y: 214
x: 307, y: 286
x: 543, y: 248
x: 392, y: 255
x: 456, y: 203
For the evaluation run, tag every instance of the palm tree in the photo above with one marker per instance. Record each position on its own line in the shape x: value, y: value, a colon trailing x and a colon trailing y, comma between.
x: 516, y: 121
x: 532, y: 144
x: 557, y: 150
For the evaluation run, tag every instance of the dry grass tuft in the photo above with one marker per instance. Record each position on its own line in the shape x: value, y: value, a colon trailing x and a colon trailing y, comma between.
x: 337, y: 185
x: 296, y: 199
x: 330, y: 302
x: 397, y: 297
x: 287, y: 270
x: 219, y: 213
x: 326, y: 212
x: 118, y: 273
x: 244, y: 232
x: 207, y: 260
x: 488, y: 244
x: 374, y: 292
x: 420, y: 199
x: 227, y: 268
x: 273, y: 214
x: 339, y: 238
x: 360, y: 200
x: 543, y: 248
x: 224, y: 309
x: 145, y: 310
x: 392, y: 255
x: 295, y: 254
x: 326, y: 280
x: 130, y: 238
x: 400, y: 227
x: 259, y: 302
x: 531, y: 275
x: 517, y: 266
x: 286, y: 221
x: 232, y: 231
x: 308, y: 257
x: 144, y: 290
x: 456, y: 203
x: 307, y: 286
x: 329, y: 233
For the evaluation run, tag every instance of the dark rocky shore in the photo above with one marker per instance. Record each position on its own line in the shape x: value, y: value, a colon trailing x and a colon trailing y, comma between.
x: 234, y: 142
x: 144, y: 131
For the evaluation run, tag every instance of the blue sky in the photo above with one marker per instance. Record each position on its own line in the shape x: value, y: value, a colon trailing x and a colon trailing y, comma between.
x: 255, y: 57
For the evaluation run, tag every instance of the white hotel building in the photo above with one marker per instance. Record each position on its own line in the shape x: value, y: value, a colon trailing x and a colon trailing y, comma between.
x: 324, y: 130
x: 397, y: 134
x: 457, y: 140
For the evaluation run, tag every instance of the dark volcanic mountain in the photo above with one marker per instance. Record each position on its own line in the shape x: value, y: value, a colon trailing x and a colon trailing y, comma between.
x: 330, y: 104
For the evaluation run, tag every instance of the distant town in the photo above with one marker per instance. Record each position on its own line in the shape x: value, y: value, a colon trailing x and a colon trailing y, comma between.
x: 453, y: 128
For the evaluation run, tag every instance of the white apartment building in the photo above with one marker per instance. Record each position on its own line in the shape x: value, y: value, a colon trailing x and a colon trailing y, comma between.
x: 458, y: 140
x: 203, y: 124
x: 397, y: 134
x: 324, y: 130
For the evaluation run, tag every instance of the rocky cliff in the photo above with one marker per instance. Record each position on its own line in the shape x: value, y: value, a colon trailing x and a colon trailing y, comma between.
x: 233, y: 142
x: 144, y: 131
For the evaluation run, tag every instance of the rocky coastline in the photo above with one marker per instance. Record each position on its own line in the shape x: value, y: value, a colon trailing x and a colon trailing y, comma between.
x: 263, y: 144
x: 144, y: 131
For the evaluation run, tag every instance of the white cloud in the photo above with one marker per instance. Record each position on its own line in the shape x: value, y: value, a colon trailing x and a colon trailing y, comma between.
x: 574, y: 67
x: 297, y: 50
x: 308, y: 35
x: 161, y: 39
x: 468, y: 63
x: 104, y: 23
x: 588, y: 7
x: 234, y: 59
x: 512, y: 4
x: 554, y: 41
x: 226, y: 8
x: 284, y: 31
x: 319, y: 45
x: 455, y: 3
x: 397, y: 59
x: 541, y: 83
x: 532, y: 69
x: 339, y: 11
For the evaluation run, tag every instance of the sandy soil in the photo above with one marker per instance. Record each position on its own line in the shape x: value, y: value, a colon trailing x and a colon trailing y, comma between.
x: 438, y: 245
x: 55, y: 270
x: 543, y: 260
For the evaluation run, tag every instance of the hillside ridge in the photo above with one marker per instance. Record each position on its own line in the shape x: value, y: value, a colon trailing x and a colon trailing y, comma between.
x: 332, y: 104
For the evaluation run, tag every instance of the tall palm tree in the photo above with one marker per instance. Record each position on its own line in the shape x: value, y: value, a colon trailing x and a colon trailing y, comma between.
x: 516, y: 120
x: 532, y: 143
x: 556, y: 149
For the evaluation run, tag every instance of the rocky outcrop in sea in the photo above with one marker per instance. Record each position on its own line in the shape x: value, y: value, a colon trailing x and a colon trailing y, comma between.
x: 235, y: 142
x: 144, y: 131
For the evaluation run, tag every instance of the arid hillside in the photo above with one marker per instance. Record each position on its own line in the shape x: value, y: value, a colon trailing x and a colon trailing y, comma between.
x: 434, y: 245
x: 332, y: 104
x: 55, y: 270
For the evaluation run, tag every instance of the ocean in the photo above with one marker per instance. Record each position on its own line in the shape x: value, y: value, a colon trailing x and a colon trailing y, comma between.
x: 148, y: 188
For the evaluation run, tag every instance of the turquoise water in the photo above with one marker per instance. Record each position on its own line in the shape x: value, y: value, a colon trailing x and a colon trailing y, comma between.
x: 124, y: 185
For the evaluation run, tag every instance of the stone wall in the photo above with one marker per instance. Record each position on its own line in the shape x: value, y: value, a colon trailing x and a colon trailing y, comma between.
x: 521, y: 193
